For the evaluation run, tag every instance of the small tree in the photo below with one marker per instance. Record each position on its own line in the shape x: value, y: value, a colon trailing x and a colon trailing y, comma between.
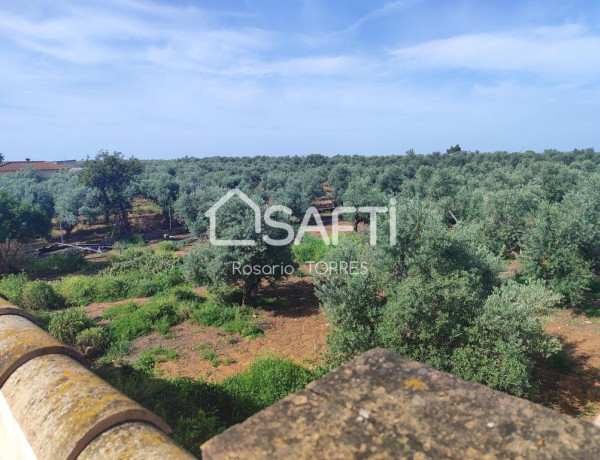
x: 360, y: 192
x: 162, y: 189
x: 18, y: 225
x: 551, y: 254
x: 72, y: 199
x: 244, y: 266
x: 111, y: 175
x: 454, y: 149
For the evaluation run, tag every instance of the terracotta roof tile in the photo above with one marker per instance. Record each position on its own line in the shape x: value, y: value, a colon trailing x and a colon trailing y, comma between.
x: 39, y: 165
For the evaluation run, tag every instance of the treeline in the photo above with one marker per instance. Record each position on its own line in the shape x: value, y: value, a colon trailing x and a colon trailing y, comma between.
x: 543, y: 207
x: 444, y: 295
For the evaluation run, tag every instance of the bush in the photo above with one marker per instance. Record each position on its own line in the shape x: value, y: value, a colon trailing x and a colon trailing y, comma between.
x: 92, y: 342
x: 40, y: 295
x: 311, y: 248
x: 185, y: 293
x: 78, y: 290
x: 119, y: 310
x: 130, y: 241
x: 232, y: 319
x: 166, y: 246
x: 43, y: 317
x: 503, y: 339
x: 11, y: 287
x: 198, y: 410
x: 66, y: 325
x: 265, y: 382
x: 111, y: 288
x: 58, y: 264
x: 83, y: 290
x: 551, y: 254
x: 144, y: 261
x: 158, y: 314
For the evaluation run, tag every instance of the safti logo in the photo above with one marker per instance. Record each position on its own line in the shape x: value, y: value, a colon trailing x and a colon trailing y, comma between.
x: 311, y: 213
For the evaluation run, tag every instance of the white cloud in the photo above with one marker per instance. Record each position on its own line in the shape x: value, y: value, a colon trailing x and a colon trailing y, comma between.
x: 84, y: 35
x: 561, y: 51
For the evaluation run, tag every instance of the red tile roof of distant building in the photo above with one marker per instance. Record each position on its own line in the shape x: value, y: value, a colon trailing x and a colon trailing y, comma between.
x: 39, y: 165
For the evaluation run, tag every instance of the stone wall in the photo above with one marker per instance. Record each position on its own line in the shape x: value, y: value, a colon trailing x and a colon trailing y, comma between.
x: 381, y: 405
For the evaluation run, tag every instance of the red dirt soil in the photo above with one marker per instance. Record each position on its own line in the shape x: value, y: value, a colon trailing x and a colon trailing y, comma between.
x: 297, y: 330
x: 577, y: 391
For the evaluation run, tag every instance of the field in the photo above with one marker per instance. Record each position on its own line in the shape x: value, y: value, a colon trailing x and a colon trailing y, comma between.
x: 495, y: 281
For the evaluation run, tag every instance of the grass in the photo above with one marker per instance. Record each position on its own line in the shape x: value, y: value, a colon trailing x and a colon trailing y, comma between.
x: 589, y: 410
x: 158, y: 314
x: 130, y: 241
x: 230, y: 318
x: 131, y: 320
x: 198, y: 410
x: 271, y: 302
x: 11, y: 286
x: 119, y: 310
x: 82, y: 290
x: 212, y: 356
x: 63, y: 264
x: 148, y: 359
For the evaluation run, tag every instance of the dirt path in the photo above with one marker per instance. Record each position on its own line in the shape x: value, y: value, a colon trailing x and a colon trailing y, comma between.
x: 574, y: 387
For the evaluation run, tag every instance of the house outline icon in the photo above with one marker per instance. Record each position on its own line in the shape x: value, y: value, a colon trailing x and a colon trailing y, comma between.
x: 212, y: 216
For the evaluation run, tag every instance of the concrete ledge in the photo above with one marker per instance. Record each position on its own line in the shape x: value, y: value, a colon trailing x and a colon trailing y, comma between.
x: 61, y: 406
x: 133, y: 441
x: 381, y: 405
x: 21, y: 340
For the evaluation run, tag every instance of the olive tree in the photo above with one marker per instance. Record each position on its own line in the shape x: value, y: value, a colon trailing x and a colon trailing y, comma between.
x: 111, y: 176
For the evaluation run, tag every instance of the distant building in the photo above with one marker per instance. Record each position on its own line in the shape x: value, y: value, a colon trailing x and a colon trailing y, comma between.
x: 43, y: 168
x: 66, y: 162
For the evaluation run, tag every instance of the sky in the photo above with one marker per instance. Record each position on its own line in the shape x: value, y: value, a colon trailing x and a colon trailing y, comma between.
x: 292, y: 77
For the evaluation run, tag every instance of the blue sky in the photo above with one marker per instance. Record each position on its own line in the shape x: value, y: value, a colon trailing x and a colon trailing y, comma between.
x: 169, y: 79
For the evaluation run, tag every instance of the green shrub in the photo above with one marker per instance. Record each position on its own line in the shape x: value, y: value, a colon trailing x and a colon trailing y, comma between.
x: 40, y: 295
x: 198, y: 410
x: 311, y: 248
x: 158, y: 314
x: 66, y: 325
x: 92, y: 342
x: 265, y: 382
x: 232, y: 319
x: 166, y: 246
x: 78, y: 290
x: 43, y: 317
x: 144, y: 261
x: 130, y: 241
x: 185, y: 293
x: 59, y: 264
x: 111, y: 288
x: 115, y: 351
x: 119, y: 310
x: 148, y: 359
x: 503, y: 339
x: 227, y: 295
x: 83, y: 290
x: 11, y: 286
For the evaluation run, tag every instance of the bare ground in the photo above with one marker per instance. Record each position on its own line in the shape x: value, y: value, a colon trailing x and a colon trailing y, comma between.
x: 296, y: 330
x: 575, y: 389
